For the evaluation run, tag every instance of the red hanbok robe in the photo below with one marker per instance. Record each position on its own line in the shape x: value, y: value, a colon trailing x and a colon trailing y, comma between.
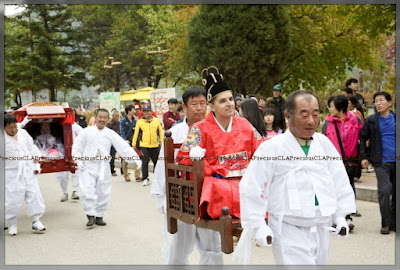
x: 226, y: 152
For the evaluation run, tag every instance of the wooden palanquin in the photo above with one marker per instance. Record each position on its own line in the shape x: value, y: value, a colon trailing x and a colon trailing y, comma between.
x: 61, y: 120
x: 183, y: 191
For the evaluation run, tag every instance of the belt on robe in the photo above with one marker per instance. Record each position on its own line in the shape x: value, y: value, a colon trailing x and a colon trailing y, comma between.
x: 293, y: 193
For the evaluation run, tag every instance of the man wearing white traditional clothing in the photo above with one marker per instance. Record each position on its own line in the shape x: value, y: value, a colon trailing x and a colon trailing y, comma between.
x: 91, y: 150
x: 300, y: 180
x: 179, y: 246
x: 63, y: 177
x: 21, y: 182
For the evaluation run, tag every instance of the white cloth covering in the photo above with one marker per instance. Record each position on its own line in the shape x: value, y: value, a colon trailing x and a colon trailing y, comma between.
x: 76, y: 129
x: 63, y: 177
x: 21, y: 182
x: 95, y: 177
x: 282, y: 181
x: 179, y: 246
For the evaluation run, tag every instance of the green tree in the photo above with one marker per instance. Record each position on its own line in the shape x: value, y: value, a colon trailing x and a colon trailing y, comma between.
x: 168, y: 32
x: 375, y: 19
x: 41, y: 51
x: 330, y: 40
x: 178, y: 64
x: 248, y: 43
x: 97, y: 24
x: 135, y: 35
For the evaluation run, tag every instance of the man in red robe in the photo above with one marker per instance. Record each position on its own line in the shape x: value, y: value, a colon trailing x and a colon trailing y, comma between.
x: 226, y: 142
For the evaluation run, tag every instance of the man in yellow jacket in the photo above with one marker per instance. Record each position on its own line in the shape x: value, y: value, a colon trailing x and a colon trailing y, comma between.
x: 150, y: 134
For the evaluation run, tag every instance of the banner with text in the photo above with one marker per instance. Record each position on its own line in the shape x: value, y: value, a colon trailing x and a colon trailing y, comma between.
x: 159, y: 100
x: 110, y: 100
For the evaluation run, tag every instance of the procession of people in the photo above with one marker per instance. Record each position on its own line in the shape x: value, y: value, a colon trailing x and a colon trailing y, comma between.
x: 262, y: 159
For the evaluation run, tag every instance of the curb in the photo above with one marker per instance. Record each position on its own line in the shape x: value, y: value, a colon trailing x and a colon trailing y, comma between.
x: 367, y: 194
x: 363, y: 193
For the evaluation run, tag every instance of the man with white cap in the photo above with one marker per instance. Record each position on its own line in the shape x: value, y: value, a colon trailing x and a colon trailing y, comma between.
x: 92, y: 151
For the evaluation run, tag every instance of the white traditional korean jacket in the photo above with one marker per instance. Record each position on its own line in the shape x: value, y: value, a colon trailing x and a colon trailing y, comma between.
x: 94, y: 145
x: 19, y: 153
x: 282, y: 181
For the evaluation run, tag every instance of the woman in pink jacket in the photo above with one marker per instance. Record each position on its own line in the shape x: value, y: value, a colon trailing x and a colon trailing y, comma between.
x: 343, y: 130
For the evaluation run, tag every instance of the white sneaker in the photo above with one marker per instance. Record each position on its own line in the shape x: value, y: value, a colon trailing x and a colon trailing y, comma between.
x: 37, y: 226
x: 64, y: 197
x: 145, y: 182
x: 12, y: 230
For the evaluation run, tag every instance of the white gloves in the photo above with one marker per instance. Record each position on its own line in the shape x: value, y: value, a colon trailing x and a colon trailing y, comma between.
x: 261, y: 234
x: 162, y: 204
x: 197, y: 153
x: 138, y: 163
x: 80, y: 166
x: 24, y: 122
x: 341, y: 223
x: 37, y: 169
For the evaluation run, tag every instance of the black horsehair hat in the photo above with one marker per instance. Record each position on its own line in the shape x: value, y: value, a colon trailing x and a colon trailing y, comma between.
x: 213, y: 82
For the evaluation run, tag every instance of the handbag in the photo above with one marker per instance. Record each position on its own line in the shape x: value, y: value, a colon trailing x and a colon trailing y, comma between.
x: 350, y: 164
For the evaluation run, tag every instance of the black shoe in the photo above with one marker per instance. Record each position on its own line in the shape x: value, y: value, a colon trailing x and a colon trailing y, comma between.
x: 385, y: 230
x: 392, y: 228
x: 356, y: 214
x: 350, y: 224
x: 91, y: 221
x: 100, y: 222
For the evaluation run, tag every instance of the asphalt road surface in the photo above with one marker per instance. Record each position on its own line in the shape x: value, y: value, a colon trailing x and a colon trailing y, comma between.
x: 133, y: 235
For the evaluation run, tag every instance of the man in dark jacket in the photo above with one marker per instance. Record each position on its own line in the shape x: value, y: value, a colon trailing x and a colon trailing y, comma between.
x: 277, y: 103
x: 126, y: 129
x: 380, y: 130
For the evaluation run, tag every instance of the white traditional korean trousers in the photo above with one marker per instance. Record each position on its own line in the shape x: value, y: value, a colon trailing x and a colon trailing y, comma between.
x: 178, y: 246
x: 92, y: 151
x: 63, y: 177
x: 21, y: 184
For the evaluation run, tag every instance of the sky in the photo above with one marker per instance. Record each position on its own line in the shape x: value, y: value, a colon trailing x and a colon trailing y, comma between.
x: 11, y: 9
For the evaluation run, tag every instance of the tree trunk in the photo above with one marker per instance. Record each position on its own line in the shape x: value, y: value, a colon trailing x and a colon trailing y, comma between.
x: 53, y: 97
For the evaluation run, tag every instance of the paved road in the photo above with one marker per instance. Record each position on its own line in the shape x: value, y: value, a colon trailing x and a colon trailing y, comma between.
x: 133, y: 235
